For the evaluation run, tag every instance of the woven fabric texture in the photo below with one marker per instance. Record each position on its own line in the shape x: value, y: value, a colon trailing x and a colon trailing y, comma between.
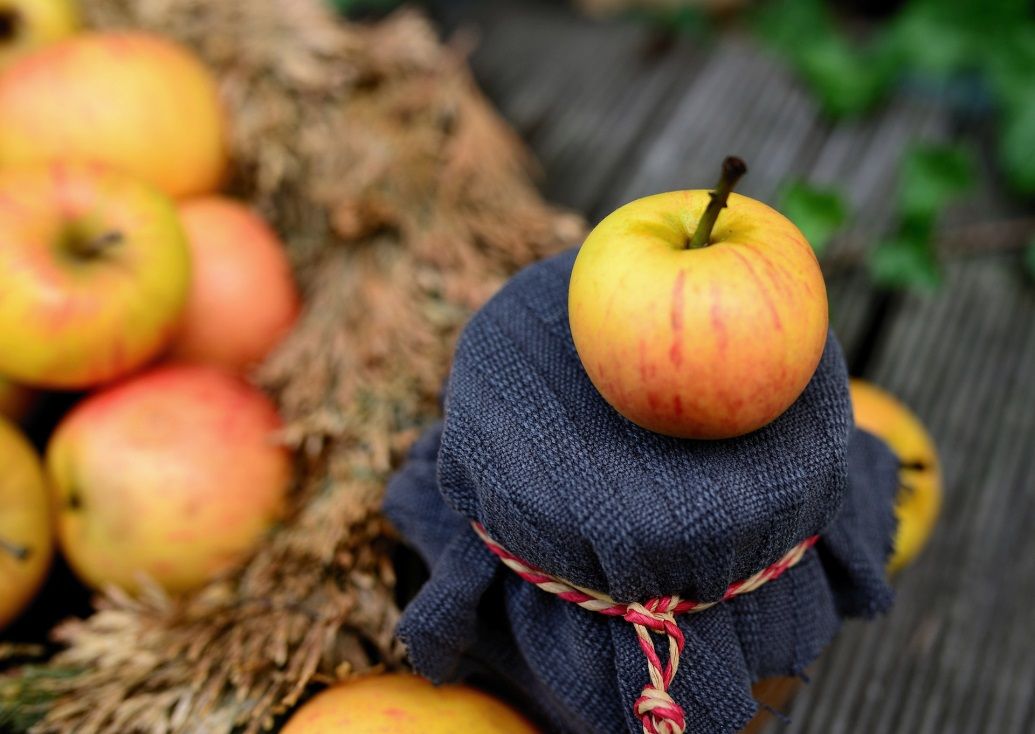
x: 530, y: 450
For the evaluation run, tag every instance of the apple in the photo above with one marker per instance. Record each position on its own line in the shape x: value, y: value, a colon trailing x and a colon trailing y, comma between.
x: 242, y: 298
x: 404, y: 704
x: 29, y: 24
x: 134, y: 101
x: 26, y: 542
x: 94, y: 270
x: 920, y: 495
x: 695, y: 323
x: 174, y: 474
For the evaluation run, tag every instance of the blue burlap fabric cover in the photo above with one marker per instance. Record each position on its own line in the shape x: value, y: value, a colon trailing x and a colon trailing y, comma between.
x: 529, y: 449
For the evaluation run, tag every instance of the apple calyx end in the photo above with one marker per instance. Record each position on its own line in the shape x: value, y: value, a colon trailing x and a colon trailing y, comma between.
x: 733, y: 168
x: 92, y: 248
x: 18, y: 552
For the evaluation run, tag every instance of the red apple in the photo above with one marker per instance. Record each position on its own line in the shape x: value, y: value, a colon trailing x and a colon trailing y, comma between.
x: 692, y: 331
x: 174, y: 474
x: 94, y: 271
x: 242, y: 298
x: 133, y: 101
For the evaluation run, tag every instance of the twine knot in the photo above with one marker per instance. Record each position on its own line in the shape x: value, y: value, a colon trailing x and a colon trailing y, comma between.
x: 655, y: 708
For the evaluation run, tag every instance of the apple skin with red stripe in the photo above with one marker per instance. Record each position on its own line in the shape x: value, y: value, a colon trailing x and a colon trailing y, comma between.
x: 706, y: 343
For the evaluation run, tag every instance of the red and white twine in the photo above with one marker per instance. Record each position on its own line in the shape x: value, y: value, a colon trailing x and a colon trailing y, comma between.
x: 655, y: 708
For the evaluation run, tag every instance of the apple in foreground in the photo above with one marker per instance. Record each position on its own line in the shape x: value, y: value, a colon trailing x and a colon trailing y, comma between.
x: 94, y: 270
x: 29, y: 24
x: 242, y: 299
x: 133, y: 101
x: 920, y: 494
x: 174, y: 474
x: 695, y: 323
x: 404, y: 704
x: 26, y: 542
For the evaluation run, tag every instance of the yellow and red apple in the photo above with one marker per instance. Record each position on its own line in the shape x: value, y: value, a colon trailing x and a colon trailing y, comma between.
x: 920, y: 495
x: 242, y: 298
x: 404, y: 704
x: 26, y: 539
x: 133, y: 101
x: 28, y: 24
x: 707, y: 341
x: 174, y: 474
x: 94, y: 270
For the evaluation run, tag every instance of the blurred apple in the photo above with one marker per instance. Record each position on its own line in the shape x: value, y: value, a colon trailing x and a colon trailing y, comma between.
x: 920, y: 495
x: 15, y: 400
x: 28, y: 24
x: 404, y: 704
x: 26, y: 541
x: 174, y: 474
x: 94, y: 270
x: 136, y: 102
x: 698, y: 339
x: 242, y: 297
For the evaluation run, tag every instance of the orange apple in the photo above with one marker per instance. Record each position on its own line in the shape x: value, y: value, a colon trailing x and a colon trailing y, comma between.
x: 404, y: 704
x: 920, y: 495
x: 29, y: 24
x: 697, y: 335
x: 174, y: 474
x: 94, y: 270
x: 136, y: 102
x: 242, y: 298
x: 26, y: 542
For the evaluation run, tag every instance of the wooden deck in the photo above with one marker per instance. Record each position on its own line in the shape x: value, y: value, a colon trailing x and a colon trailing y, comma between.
x: 613, y: 115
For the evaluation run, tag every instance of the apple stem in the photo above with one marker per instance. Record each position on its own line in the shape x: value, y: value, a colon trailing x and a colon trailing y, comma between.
x: 19, y: 552
x: 732, y: 169
x: 98, y: 245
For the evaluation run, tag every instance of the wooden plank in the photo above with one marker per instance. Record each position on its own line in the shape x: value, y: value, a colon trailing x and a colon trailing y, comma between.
x: 955, y: 654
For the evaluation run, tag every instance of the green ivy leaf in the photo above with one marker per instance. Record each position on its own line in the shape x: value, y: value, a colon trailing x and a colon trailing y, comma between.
x: 927, y: 38
x: 931, y: 176
x: 1016, y: 150
x: 817, y: 212
x: 848, y: 79
x: 906, y: 260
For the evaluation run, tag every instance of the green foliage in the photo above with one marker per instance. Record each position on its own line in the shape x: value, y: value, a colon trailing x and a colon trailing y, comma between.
x: 930, y: 178
x: 847, y: 78
x: 817, y: 212
x: 906, y: 260
x: 989, y: 40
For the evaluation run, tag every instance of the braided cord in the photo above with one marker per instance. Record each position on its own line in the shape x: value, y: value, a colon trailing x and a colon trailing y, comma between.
x: 655, y: 708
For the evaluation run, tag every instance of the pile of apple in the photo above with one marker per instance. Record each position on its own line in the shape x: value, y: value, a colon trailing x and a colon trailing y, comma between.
x: 124, y: 276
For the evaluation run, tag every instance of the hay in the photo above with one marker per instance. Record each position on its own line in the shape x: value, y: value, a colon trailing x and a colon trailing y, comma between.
x: 405, y: 202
